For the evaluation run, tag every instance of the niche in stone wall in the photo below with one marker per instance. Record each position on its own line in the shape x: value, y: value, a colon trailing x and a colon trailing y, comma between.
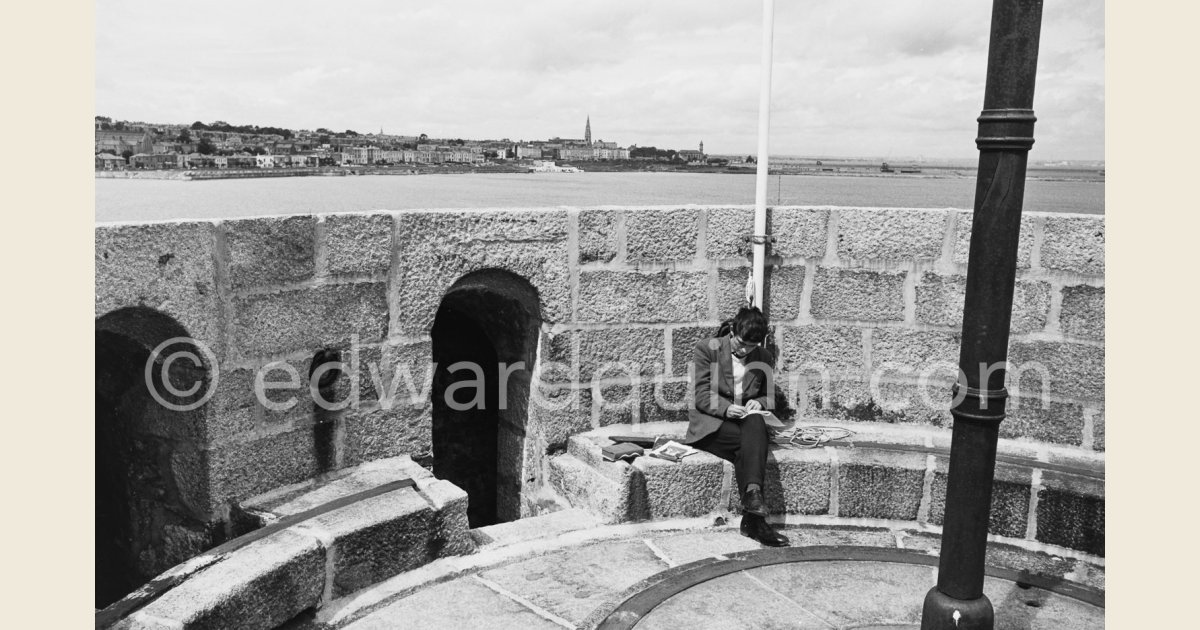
x: 144, y: 524
x: 484, y: 345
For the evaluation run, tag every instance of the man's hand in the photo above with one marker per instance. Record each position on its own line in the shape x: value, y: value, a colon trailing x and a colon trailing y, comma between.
x: 753, y: 405
x: 735, y: 411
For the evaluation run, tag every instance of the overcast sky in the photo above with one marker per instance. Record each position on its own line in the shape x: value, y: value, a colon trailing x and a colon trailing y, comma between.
x: 851, y: 78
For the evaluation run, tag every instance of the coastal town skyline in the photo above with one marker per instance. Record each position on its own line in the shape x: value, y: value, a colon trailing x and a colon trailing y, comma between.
x: 146, y: 145
x: 875, y: 80
x: 153, y: 141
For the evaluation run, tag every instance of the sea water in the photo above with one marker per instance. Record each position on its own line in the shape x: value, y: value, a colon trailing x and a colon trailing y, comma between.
x: 156, y: 200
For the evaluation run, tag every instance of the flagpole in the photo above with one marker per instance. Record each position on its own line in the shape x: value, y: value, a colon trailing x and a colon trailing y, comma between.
x: 759, y: 237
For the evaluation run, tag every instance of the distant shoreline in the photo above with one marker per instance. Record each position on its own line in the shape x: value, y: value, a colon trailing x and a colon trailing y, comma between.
x: 926, y: 172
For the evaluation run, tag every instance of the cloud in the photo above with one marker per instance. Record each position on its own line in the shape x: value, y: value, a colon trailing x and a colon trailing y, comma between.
x: 849, y: 78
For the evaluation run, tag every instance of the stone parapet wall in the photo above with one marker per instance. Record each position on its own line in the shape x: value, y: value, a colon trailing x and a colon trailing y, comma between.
x: 867, y: 309
x: 853, y: 293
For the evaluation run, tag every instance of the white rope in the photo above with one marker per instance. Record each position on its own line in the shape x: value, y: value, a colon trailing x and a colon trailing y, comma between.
x: 810, y: 436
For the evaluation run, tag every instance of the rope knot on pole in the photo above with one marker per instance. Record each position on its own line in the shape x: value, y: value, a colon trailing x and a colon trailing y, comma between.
x: 759, y: 239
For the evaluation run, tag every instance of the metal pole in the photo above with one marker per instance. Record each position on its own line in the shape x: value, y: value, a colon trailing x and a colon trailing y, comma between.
x: 764, y: 127
x: 1005, y: 136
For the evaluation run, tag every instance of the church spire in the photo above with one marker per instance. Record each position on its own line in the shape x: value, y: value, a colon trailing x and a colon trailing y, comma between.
x: 587, y: 131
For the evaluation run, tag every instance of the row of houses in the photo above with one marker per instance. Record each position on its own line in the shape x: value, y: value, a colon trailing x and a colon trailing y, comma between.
x: 145, y: 141
x: 167, y: 140
x: 423, y: 154
x: 475, y: 154
x: 165, y: 147
x: 555, y: 151
x: 118, y: 142
x: 163, y: 161
x: 356, y: 156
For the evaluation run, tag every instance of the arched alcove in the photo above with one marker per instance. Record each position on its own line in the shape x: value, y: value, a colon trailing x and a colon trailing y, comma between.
x: 143, y: 524
x: 489, y: 319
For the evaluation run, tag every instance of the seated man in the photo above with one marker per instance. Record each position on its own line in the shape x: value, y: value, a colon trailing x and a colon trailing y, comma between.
x: 734, y: 379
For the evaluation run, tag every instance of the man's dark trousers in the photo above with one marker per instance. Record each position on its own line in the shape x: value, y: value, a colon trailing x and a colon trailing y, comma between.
x: 743, y: 442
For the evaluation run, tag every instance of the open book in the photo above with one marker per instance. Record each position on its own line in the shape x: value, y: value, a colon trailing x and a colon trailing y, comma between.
x: 672, y: 451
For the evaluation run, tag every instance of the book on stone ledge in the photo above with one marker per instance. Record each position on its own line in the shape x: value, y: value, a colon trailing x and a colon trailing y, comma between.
x: 672, y: 451
x: 644, y: 441
x: 624, y: 450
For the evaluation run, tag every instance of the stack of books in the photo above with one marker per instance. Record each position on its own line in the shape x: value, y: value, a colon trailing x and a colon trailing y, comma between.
x: 629, y: 447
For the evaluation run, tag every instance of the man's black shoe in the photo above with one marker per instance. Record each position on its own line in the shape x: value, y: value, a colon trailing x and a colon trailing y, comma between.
x: 752, y: 502
x: 756, y: 527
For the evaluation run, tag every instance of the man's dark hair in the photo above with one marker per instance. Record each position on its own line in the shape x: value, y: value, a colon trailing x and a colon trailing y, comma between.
x: 750, y: 324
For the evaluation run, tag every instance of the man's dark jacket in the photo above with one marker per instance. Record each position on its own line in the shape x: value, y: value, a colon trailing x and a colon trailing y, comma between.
x: 713, y: 384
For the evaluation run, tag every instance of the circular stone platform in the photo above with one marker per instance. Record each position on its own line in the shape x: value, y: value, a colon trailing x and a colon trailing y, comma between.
x: 688, y: 574
x: 837, y: 587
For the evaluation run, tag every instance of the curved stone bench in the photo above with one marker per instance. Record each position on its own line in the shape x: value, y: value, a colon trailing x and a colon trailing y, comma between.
x: 266, y: 582
x: 1040, y: 492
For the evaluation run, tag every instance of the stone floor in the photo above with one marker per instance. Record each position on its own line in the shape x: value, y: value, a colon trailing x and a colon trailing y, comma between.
x: 576, y: 579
